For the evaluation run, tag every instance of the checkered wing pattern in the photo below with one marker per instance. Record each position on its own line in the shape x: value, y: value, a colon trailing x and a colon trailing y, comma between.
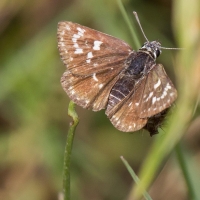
x: 93, y: 60
x: 151, y: 95
x: 158, y: 94
x: 104, y: 72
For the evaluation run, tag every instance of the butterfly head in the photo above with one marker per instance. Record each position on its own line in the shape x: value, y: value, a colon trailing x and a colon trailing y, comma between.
x: 153, y: 47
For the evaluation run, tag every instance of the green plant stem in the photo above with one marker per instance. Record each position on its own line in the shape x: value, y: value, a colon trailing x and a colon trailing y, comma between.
x: 130, y: 26
x: 183, y: 164
x: 135, y: 177
x: 68, y: 150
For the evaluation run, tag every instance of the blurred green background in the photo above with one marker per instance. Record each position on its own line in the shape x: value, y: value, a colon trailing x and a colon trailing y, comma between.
x: 33, y: 106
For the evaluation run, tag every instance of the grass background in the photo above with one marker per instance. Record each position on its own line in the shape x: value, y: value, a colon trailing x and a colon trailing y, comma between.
x: 33, y: 106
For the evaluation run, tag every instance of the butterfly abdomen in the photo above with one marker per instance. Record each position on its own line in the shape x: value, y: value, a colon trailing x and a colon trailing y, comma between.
x: 120, y: 90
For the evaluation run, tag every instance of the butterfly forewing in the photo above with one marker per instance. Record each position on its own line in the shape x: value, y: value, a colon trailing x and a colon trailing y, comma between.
x: 86, y: 51
x: 93, y: 60
x: 158, y: 94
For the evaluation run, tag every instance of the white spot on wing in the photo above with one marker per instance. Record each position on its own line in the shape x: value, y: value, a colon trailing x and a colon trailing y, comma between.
x: 78, y: 51
x: 80, y: 30
x: 76, y: 36
x: 153, y: 100
x: 97, y: 45
x: 168, y: 86
x: 150, y: 95
x: 76, y: 45
x: 157, y: 84
x: 100, y: 86
x: 163, y: 95
x: 90, y: 55
x: 94, y: 77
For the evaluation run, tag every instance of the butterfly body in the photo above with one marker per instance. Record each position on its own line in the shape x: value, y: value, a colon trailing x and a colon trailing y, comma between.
x: 104, y: 72
x: 138, y: 65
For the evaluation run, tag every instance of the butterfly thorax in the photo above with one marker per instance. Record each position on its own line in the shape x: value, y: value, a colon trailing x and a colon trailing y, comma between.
x: 138, y: 64
x: 153, y: 48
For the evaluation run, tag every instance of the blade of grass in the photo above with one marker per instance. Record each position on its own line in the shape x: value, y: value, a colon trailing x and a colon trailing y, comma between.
x: 182, y: 159
x: 68, y: 150
x: 135, y: 177
x: 130, y: 26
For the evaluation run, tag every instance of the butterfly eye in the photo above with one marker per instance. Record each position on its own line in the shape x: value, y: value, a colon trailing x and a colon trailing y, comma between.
x: 157, y: 53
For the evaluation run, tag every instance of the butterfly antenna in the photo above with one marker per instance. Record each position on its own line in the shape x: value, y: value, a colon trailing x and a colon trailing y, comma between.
x: 172, y: 48
x: 138, y: 21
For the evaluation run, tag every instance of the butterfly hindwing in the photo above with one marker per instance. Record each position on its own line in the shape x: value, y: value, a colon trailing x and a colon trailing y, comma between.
x: 96, y: 88
x: 158, y: 94
x: 151, y: 95
x: 124, y: 116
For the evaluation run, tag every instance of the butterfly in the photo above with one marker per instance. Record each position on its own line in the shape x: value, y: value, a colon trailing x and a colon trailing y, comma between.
x: 104, y: 72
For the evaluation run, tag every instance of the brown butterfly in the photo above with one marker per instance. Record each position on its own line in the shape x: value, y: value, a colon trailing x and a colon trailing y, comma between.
x: 104, y: 72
